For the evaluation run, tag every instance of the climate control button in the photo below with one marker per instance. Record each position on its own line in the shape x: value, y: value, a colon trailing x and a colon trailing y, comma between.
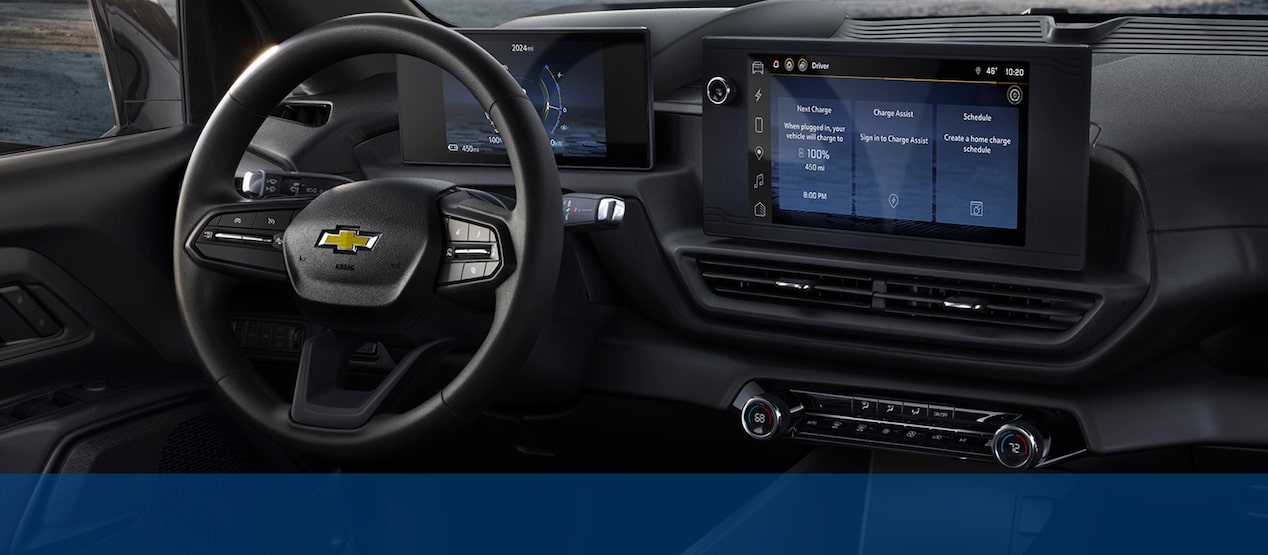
x: 1018, y: 445
x: 764, y: 417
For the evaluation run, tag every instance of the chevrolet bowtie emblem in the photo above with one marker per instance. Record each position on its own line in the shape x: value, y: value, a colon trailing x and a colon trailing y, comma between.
x: 347, y: 239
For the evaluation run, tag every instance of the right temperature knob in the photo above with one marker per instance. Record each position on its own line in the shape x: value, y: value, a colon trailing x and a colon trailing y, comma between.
x: 1019, y: 445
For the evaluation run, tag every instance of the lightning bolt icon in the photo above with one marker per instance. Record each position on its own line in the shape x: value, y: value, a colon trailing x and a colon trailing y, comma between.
x: 757, y: 97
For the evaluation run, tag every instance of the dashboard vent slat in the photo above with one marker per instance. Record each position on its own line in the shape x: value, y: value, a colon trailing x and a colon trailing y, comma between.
x: 898, y: 296
x: 967, y: 29
x: 1186, y: 36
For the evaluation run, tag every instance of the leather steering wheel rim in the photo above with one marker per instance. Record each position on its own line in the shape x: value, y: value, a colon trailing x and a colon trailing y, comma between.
x: 535, y: 228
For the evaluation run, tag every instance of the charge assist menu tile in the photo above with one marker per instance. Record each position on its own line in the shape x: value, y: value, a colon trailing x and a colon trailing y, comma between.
x: 977, y: 165
x: 893, y: 164
x: 812, y: 163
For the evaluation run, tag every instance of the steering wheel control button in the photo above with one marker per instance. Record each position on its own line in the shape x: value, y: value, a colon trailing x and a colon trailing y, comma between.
x: 471, y: 252
x: 458, y: 229
x: 1017, y: 446
x: 472, y: 270
x: 275, y: 220
x: 238, y: 219
x: 451, y: 273
x: 719, y: 90
x: 479, y: 233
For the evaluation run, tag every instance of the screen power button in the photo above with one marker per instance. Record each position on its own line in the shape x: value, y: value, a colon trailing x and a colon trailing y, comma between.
x: 719, y: 90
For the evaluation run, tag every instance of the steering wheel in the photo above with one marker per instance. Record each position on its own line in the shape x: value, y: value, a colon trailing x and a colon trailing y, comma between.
x: 366, y: 259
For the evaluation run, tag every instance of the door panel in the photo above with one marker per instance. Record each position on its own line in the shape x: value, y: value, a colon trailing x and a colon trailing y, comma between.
x: 86, y: 236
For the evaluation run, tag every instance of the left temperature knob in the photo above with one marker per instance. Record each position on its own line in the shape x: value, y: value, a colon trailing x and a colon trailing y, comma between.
x: 764, y: 416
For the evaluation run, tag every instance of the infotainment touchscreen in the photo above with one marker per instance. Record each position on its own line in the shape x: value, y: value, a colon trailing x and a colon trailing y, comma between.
x: 916, y: 146
x: 590, y: 88
x: 845, y: 142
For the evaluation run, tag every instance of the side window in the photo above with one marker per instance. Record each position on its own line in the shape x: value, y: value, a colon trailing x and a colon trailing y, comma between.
x: 59, y: 63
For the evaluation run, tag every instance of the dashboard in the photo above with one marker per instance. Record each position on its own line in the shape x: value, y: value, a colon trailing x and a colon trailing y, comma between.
x: 1030, y: 239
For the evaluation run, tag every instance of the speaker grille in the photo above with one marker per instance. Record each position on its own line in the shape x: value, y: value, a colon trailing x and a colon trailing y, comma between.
x: 189, y: 439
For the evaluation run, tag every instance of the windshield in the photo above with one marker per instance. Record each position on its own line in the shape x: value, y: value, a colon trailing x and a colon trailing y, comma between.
x: 488, y: 13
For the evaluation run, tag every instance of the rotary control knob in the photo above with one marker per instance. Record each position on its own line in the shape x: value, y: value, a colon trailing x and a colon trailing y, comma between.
x: 719, y: 90
x: 764, y: 416
x: 1019, y: 445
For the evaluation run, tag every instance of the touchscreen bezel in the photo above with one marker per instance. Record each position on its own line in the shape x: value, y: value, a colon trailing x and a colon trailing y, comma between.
x: 627, y: 92
x: 1054, y: 210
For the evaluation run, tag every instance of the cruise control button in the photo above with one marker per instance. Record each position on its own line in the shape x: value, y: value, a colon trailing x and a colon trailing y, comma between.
x: 275, y: 220
x: 240, y: 219
x: 458, y: 230
x: 479, y: 233
x: 490, y: 268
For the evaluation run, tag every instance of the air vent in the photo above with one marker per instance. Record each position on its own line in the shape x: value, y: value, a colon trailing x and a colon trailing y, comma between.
x: 312, y: 114
x: 777, y: 284
x: 982, y: 303
x: 950, y: 29
x: 1187, y: 36
x: 897, y: 296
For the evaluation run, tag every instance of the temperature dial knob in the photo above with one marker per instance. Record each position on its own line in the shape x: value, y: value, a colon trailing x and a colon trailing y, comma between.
x: 764, y: 416
x: 1019, y: 445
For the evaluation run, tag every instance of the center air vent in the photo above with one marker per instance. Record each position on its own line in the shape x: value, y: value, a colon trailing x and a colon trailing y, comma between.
x: 898, y: 296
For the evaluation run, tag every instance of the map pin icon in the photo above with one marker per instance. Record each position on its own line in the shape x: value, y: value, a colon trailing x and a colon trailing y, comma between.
x: 893, y: 200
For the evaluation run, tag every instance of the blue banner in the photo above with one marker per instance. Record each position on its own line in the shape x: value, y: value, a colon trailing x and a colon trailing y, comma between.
x: 1003, y: 514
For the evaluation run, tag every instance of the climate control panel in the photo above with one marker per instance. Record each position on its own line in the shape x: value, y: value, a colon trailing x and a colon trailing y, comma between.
x: 1014, y: 438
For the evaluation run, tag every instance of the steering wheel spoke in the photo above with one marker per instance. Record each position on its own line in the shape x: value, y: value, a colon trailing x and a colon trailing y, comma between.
x: 478, y: 253
x: 322, y: 400
x: 243, y: 239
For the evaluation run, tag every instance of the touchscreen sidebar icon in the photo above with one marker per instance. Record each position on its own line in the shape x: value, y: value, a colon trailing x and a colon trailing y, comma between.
x: 759, y: 68
x: 759, y: 151
x: 759, y: 181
